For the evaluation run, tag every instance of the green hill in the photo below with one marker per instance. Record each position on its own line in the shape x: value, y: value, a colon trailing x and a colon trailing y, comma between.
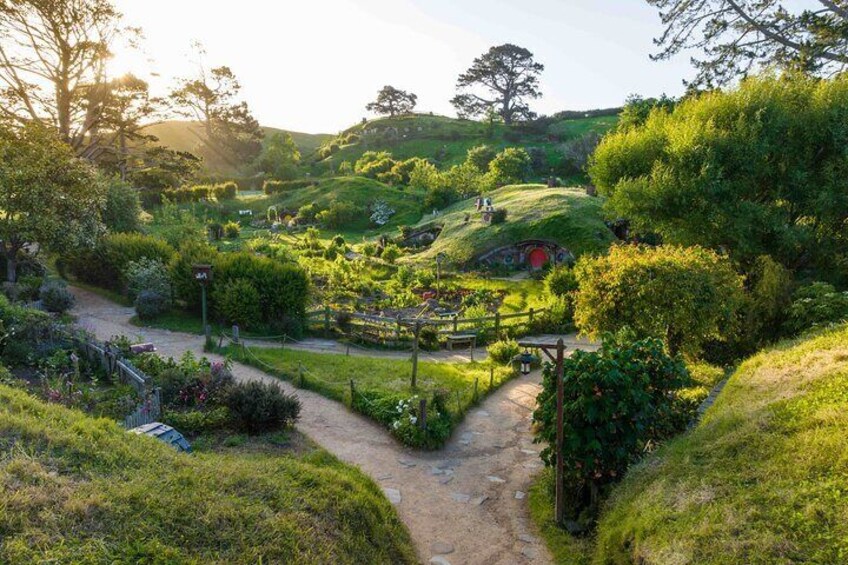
x: 446, y: 140
x: 82, y: 490
x: 567, y: 216
x: 184, y: 135
x: 762, y: 478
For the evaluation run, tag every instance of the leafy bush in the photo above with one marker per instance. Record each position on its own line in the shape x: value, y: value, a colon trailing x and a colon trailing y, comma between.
x: 816, y: 305
x: 339, y: 214
x: 561, y: 281
x: 147, y: 274
x: 122, y: 208
x: 510, y: 166
x: 684, y: 296
x: 29, y: 287
x: 401, y: 416
x: 258, y: 407
x: 104, y: 265
x: 237, y: 302
x: 150, y: 304
x: 618, y: 401
x: 391, y: 252
x: 232, y: 230
x: 56, y: 297
x: 186, y: 289
x: 198, y: 421
x: 503, y: 351
x: 373, y: 163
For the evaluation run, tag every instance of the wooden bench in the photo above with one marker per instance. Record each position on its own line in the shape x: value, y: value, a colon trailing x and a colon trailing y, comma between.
x: 455, y: 339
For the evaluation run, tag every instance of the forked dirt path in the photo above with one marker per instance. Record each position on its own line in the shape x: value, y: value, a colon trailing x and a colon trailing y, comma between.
x: 465, y: 503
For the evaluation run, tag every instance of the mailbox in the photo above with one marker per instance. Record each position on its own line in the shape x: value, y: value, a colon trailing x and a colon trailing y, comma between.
x: 202, y: 273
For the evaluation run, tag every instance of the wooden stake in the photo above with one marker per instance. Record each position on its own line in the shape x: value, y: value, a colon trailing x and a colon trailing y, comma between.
x: 415, y: 335
x: 422, y: 410
x: 560, y: 464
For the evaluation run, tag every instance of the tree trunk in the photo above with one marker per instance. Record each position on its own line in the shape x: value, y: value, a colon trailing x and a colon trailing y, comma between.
x: 11, y: 267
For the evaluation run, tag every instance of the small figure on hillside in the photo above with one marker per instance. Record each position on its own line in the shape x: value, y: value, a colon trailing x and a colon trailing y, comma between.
x: 488, y: 204
x: 479, y: 202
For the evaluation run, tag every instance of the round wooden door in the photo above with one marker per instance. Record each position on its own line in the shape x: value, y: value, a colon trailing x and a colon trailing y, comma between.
x: 537, y: 258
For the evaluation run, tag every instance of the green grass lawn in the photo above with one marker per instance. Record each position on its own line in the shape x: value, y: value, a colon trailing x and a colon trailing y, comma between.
x: 330, y: 374
x: 761, y: 479
x: 82, y: 490
x: 567, y: 216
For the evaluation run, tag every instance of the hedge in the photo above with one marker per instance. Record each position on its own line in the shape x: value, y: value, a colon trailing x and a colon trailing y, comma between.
x: 278, y: 186
x: 104, y: 264
x: 222, y: 191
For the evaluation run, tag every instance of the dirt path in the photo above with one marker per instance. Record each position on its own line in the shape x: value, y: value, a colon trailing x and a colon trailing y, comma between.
x: 463, y: 504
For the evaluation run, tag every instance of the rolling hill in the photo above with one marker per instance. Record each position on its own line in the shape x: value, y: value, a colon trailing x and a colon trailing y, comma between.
x: 184, y: 135
x: 82, y: 490
x: 446, y: 140
x: 567, y: 216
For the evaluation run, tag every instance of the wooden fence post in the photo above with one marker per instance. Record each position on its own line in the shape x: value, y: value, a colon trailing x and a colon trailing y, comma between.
x: 300, y: 373
x: 560, y: 462
x: 415, y: 334
x: 235, y: 333
x: 475, y: 398
x: 422, y: 409
x: 530, y: 315
x: 352, y: 392
x: 326, y: 321
x: 455, y: 323
x: 491, y: 376
x: 397, y: 330
x: 497, y: 325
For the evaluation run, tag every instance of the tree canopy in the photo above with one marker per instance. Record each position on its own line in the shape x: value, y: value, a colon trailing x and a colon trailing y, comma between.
x: 50, y: 198
x: 280, y: 157
x: 738, y: 36
x: 502, y: 80
x: 232, y: 136
x: 392, y: 101
x: 759, y: 170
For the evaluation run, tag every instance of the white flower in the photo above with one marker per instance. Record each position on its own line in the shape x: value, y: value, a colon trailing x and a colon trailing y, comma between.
x: 412, y: 419
x: 396, y: 425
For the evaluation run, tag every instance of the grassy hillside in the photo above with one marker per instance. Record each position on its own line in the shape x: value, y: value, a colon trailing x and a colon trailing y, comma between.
x: 762, y: 479
x: 446, y: 140
x: 80, y: 490
x: 185, y: 135
x: 567, y: 216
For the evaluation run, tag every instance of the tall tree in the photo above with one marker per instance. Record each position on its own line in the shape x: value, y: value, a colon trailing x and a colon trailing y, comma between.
x: 53, y: 55
x: 50, y: 198
x: 232, y: 136
x: 737, y: 36
x: 280, y: 157
x: 503, y: 79
x: 392, y: 101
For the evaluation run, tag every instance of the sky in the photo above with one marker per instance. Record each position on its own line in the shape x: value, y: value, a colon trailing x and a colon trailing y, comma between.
x: 313, y: 66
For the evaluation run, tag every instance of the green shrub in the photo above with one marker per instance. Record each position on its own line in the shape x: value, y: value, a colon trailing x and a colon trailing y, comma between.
x: 150, y: 304
x: 104, y: 264
x: 561, y: 281
x: 29, y: 287
x: 499, y: 216
x: 373, y: 163
x: 339, y: 214
x: 237, y: 302
x: 816, y: 305
x: 56, y: 297
x: 503, y: 351
x: 198, y: 421
x: 226, y: 191
x: 232, y: 230
x: 684, y: 296
x: 510, y: 166
x: 618, y: 401
x: 147, y: 274
x: 391, y: 252
x: 185, y: 287
x: 400, y: 414
x: 258, y: 407
x: 122, y: 208
x: 307, y: 212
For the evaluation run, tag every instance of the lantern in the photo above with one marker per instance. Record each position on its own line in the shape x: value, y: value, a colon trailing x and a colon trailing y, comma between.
x: 525, y: 359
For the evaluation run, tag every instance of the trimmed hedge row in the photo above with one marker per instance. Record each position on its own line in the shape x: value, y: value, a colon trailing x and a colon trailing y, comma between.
x: 104, y: 264
x: 278, y: 186
x: 223, y: 191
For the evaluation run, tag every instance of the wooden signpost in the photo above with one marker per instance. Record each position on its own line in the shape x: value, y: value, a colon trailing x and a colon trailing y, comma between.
x: 203, y: 275
x: 556, y: 353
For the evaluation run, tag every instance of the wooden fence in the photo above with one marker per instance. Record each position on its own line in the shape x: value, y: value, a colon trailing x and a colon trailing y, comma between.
x: 150, y: 408
x: 389, y: 330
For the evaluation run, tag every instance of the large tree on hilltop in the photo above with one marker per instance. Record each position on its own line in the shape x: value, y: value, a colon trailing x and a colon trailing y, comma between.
x: 392, y: 101
x: 53, y: 55
x: 737, y: 36
x: 232, y: 135
x: 501, y: 80
x: 49, y: 198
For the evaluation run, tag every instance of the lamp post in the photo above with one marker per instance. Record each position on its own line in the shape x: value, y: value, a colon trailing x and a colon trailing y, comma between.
x: 203, y: 275
x: 440, y: 257
x: 556, y: 353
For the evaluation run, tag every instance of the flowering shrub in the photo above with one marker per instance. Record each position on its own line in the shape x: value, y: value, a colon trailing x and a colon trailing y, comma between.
x: 401, y: 415
x: 381, y: 213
